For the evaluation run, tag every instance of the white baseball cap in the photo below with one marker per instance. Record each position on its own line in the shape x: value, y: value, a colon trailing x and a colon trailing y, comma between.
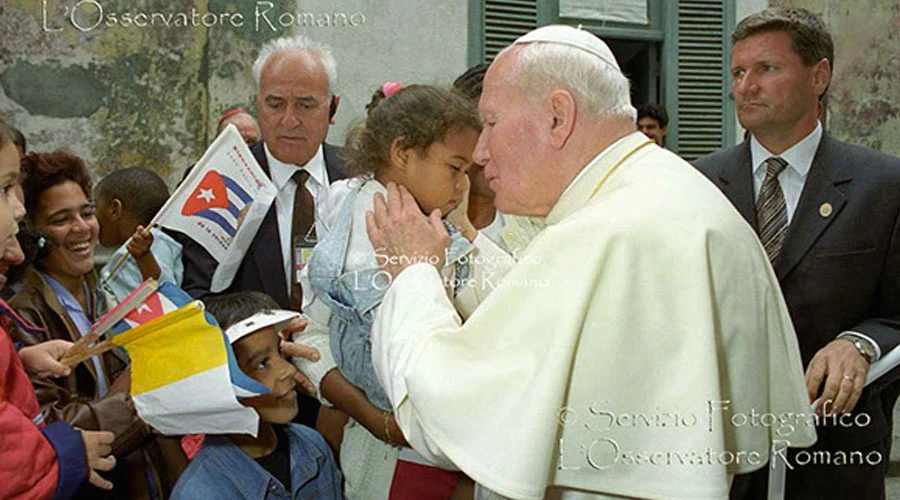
x: 278, y: 318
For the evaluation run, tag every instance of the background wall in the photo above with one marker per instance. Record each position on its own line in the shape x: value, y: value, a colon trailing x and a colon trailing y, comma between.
x: 84, y: 77
x: 122, y: 95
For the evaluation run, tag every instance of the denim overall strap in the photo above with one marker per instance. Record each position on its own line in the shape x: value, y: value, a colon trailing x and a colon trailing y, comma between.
x: 336, y: 243
x: 459, y: 248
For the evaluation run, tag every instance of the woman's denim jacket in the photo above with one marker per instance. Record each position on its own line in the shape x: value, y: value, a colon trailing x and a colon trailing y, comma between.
x: 354, y: 296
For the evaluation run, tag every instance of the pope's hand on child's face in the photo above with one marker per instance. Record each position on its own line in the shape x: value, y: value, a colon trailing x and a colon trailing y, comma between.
x: 459, y: 216
x: 399, y: 234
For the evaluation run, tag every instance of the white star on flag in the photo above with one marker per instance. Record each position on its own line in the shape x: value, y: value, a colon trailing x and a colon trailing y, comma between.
x: 144, y: 308
x: 207, y: 194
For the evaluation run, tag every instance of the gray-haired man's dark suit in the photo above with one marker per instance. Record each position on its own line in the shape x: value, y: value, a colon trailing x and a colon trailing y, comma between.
x: 839, y: 270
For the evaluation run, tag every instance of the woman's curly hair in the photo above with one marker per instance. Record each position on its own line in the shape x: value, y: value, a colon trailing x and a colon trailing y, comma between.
x: 42, y: 171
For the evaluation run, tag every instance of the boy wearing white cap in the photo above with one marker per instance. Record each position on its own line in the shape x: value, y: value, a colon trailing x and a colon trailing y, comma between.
x: 283, y: 460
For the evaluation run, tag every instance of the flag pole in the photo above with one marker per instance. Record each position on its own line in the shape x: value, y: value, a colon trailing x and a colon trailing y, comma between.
x: 86, y: 354
x: 82, y: 345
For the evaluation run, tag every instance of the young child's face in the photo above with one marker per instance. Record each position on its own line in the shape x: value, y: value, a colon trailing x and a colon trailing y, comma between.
x: 436, y: 178
x: 11, y: 210
x: 259, y: 357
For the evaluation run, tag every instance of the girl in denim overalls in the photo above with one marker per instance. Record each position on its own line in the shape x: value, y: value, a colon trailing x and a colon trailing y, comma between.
x: 420, y: 137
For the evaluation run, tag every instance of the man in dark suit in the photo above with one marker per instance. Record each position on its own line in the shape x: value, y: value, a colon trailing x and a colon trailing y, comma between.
x: 828, y: 215
x: 296, y: 104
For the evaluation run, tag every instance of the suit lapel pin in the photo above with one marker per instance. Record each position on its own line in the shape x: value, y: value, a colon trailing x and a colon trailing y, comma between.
x: 825, y: 210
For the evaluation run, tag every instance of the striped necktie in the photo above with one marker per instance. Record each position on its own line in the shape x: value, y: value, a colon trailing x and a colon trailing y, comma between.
x: 771, y: 211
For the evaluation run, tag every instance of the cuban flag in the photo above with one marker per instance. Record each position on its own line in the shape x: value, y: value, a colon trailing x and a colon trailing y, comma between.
x: 221, y: 204
x: 169, y: 298
x: 218, y: 199
x: 166, y: 299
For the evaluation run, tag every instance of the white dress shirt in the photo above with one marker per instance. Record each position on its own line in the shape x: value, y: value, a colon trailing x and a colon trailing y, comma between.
x: 318, y: 185
x: 799, y: 158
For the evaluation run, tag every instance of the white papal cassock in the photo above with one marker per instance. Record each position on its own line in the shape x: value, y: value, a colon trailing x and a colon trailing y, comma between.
x: 640, y: 347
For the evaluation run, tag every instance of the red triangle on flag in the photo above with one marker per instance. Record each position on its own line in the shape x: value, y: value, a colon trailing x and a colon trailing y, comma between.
x: 210, y: 193
x: 149, y: 309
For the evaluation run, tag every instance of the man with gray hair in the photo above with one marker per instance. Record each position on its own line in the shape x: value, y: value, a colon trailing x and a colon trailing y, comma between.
x: 632, y: 348
x: 295, y: 104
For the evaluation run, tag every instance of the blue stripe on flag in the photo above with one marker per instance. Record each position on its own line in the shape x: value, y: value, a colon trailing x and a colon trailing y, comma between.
x: 120, y: 327
x: 243, y: 385
x: 218, y: 219
x: 236, y: 189
x: 175, y: 295
x: 233, y: 210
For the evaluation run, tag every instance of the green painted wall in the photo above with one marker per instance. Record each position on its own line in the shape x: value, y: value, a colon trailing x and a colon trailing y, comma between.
x: 120, y: 94
x: 139, y: 84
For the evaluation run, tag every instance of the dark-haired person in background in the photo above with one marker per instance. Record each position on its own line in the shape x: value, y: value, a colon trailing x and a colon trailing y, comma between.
x: 58, y: 295
x: 828, y: 215
x: 127, y: 201
x: 653, y: 121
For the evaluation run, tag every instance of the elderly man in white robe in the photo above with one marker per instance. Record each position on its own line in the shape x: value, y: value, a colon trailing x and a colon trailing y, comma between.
x: 640, y: 346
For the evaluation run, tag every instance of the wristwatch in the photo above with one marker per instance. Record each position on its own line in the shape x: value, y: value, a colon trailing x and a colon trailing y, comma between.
x: 865, y: 348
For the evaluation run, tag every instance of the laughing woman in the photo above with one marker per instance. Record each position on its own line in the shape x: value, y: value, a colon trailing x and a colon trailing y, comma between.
x: 58, y: 295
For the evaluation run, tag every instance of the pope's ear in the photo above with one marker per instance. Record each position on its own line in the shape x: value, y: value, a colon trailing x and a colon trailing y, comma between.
x: 562, y: 107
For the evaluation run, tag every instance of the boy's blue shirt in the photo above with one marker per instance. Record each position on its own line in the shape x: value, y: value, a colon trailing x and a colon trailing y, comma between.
x: 222, y: 471
x: 165, y: 250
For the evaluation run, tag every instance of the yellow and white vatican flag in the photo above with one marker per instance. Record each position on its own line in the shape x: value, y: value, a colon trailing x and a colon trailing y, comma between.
x: 180, y: 380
